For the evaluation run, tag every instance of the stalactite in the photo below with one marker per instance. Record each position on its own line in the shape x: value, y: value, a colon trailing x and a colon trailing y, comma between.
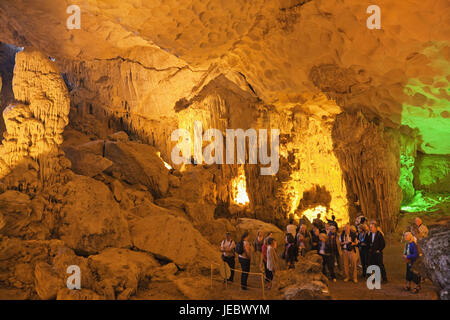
x: 369, y: 156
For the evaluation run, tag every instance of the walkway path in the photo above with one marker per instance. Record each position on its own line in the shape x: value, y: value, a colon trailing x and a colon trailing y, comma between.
x: 393, y: 290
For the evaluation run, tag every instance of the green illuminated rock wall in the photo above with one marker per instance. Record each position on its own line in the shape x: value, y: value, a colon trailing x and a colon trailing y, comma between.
x: 432, y: 173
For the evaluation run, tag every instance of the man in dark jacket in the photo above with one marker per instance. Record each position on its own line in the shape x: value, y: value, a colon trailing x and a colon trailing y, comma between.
x: 333, y: 244
x: 376, y: 245
x: 325, y: 252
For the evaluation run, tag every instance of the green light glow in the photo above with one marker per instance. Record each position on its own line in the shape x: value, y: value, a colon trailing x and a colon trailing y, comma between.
x: 428, y: 105
x: 427, y: 109
x: 422, y: 202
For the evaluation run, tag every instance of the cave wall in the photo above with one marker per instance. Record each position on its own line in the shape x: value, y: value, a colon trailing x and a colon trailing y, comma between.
x: 432, y: 173
x: 126, y: 73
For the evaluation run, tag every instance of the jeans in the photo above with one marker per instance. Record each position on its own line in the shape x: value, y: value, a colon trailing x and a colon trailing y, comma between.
x: 231, y: 263
x: 245, y: 266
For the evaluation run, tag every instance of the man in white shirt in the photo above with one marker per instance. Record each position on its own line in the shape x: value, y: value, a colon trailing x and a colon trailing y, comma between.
x: 227, y: 247
x: 292, y: 228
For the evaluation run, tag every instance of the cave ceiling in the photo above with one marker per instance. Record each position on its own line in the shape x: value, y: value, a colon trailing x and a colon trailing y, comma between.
x: 281, y: 51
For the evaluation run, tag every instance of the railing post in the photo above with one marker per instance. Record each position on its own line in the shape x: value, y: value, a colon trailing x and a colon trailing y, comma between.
x: 211, y: 275
x: 262, y: 286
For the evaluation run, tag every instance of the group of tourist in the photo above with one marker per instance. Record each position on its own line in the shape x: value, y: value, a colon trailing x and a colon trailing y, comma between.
x: 363, y: 242
x: 264, y: 248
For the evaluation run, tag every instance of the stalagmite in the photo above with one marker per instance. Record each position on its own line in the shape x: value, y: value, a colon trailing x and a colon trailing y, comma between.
x: 34, y: 125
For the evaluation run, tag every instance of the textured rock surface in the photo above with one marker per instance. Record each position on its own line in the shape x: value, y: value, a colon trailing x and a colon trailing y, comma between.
x: 369, y: 159
x: 91, y: 219
x: 432, y: 173
x: 139, y: 163
x: 34, y: 127
x: 123, y: 269
x: 175, y: 239
x: 305, y: 282
x: 436, y: 251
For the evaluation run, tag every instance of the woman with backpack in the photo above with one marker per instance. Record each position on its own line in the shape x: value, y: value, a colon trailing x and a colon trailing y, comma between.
x: 411, y: 254
x: 244, y: 251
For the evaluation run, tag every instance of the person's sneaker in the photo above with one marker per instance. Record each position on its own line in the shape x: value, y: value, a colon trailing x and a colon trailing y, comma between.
x: 334, y: 280
x: 355, y: 280
x: 244, y: 288
x: 346, y: 279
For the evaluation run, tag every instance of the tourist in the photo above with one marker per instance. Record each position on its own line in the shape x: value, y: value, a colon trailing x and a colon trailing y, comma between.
x: 360, y: 220
x: 264, y: 253
x: 272, y: 261
x: 259, y: 241
x: 420, y: 230
x: 292, y: 227
x: 315, y: 238
x: 349, y: 241
x: 244, y: 259
x: 319, y: 223
x: 376, y: 244
x: 227, y: 247
x: 325, y: 252
x: 290, y: 251
x: 333, y: 222
x: 363, y: 238
x: 302, y: 240
x: 327, y: 229
x: 334, y: 247
x: 411, y: 254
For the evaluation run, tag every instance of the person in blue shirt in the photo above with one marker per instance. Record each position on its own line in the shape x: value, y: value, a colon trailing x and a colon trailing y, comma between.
x: 411, y: 254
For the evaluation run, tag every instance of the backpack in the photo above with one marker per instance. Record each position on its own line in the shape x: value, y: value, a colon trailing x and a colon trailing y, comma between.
x: 239, y: 247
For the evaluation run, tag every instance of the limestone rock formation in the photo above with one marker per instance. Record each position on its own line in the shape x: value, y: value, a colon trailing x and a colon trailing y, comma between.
x: 173, y: 238
x: 86, y: 162
x: 436, y: 251
x: 138, y: 163
x: 47, y: 282
x: 432, y: 173
x: 369, y: 159
x: 123, y: 270
x: 253, y: 226
x: 305, y: 282
x: 34, y: 126
x: 91, y: 220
